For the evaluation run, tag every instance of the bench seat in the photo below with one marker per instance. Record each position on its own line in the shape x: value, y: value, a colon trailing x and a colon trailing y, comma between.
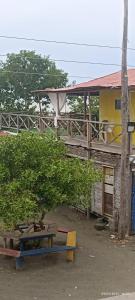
x: 10, y: 252
x: 41, y: 251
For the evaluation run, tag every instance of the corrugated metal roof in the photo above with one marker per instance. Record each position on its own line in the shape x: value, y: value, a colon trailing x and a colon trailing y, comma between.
x: 109, y: 81
x: 112, y: 80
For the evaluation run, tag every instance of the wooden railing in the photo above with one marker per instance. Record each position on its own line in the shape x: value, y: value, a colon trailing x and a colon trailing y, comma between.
x: 25, y: 122
x: 90, y: 131
x: 78, y: 129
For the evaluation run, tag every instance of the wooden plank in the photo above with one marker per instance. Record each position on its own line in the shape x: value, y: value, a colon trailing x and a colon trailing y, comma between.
x: 41, y: 251
x: 9, y: 252
x: 108, y: 204
x: 36, y: 236
x: 64, y: 230
x: 71, y: 242
x: 109, y: 189
x: 109, y: 179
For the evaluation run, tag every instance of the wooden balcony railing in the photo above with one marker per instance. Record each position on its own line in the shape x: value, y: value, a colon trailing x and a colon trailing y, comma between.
x: 86, y: 131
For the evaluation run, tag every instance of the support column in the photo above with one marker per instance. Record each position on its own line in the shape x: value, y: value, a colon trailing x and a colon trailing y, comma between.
x: 0, y: 121
x: 40, y: 114
x: 85, y: 106
x: 85, y: 113
x: 89, y: 128
x: 17, y: 123
x: 56, y: 117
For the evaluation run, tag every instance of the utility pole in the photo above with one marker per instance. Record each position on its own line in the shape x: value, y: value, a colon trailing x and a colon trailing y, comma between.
x: 125, y: 164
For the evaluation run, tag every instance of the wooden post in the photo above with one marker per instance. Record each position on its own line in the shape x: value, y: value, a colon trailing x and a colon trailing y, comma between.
x: 68, y: 127
x: 89, y: 129
x: 85, y: 106
x: 85, y: 113
x: 71, y: 241
x: 40, y: 115
x: 71, y: 128
x: 0, y: 121
x: 124, y: 216
x: 57, y: 115
x: 17, y: 123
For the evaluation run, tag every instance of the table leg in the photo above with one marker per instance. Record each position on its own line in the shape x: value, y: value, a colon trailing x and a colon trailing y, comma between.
x: 71, y: 241
x: 11, y: 243
x: 5, y: 242
x: 22, y: 248
x: 50, y: 241
x: 19, y: 263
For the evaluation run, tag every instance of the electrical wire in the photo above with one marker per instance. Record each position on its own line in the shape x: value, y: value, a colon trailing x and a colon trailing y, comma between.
x: 44, y: 74
x: 63, y: 42
x: 74, y: 61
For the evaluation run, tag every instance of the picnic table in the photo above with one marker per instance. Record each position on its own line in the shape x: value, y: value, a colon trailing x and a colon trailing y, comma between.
x: 12, y: 238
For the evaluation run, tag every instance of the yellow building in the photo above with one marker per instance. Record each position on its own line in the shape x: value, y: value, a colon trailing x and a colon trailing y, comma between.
x: 110, y: 111
x: 100, y: 141
x: 108, y: 88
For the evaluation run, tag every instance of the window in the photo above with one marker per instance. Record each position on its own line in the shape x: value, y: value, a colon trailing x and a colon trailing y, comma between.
x: 117, y: 104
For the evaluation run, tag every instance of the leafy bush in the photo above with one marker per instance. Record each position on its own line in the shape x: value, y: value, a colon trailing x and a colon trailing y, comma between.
x: 36, y: 175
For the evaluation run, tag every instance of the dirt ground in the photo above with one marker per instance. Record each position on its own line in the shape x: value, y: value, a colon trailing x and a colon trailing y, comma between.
x: 102, y: 267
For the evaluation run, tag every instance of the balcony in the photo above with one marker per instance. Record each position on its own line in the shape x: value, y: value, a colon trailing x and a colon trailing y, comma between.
x: 103, y: 136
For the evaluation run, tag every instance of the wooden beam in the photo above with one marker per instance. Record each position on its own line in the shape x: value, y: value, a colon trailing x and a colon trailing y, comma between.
x: 9, y: 252
x: 85, y: 106
x: 85, y: 113
x: 57, y: 115
x: 89, y: 128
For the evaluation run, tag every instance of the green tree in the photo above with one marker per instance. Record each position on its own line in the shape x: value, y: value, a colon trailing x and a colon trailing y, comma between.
x: 76, y: 104
x: 36, y: 176
x: 23, y: 73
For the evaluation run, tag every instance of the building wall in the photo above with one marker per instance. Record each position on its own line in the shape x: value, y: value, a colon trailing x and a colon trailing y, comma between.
x: 102, y: 159
x: 108, y: 112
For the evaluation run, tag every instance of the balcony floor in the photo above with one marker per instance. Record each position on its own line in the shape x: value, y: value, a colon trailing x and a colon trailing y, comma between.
x: 99, y: 146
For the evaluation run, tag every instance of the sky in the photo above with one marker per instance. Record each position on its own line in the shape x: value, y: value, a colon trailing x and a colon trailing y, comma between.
x: 80, y: 21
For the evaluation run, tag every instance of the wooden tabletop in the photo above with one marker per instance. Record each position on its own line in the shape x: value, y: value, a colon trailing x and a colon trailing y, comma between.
x: 36, y: 235
x: 28, y: 235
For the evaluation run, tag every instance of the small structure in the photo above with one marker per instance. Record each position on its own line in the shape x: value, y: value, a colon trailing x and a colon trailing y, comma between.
x: 90, y: 139
x: 100, y: 141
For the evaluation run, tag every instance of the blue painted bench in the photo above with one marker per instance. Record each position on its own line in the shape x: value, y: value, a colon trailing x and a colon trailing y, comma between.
x: 19, y: 255
x: 41, y: 251
x: 23, y: 252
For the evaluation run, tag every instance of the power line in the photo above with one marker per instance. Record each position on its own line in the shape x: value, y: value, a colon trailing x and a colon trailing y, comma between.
x: 63, y: 42
x: 91, y: 63
x: 75, y: 61
x: 44, y: 74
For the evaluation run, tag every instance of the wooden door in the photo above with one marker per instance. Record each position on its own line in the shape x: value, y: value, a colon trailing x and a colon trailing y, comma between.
x: 108, y: 191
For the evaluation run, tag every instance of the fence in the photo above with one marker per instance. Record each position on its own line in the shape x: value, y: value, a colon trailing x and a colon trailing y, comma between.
x: 89, y: 131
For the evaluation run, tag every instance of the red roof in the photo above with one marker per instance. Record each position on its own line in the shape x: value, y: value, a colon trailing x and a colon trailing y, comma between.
x: 108, y: 81
x: 112, y: 80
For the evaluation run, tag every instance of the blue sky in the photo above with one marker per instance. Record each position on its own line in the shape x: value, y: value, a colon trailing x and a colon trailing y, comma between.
x: 82, y: 21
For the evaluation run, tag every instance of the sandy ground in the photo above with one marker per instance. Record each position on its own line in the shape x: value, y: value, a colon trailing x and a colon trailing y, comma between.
x: 102, y: 267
